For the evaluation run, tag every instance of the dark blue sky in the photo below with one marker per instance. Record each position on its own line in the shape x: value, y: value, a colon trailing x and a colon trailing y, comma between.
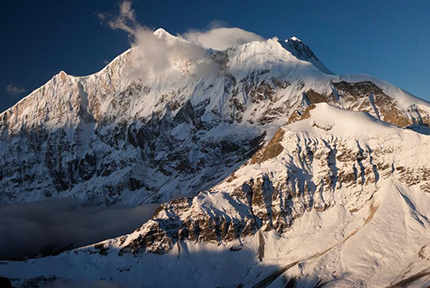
x: 387, y: 39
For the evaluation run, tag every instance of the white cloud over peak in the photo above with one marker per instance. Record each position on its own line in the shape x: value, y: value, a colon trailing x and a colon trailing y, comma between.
x: 221, y: 38
x: 155, y: 53
x: 14, y: 90
x: 151, y: 53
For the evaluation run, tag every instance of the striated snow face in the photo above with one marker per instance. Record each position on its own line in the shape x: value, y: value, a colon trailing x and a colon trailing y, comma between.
x: 321, y: 203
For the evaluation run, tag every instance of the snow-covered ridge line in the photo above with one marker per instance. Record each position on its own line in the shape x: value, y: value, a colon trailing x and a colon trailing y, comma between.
x: 404, y: 98
x: 328, y: 119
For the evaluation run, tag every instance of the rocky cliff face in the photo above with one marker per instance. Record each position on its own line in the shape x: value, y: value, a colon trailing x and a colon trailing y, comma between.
x: 110, y: 137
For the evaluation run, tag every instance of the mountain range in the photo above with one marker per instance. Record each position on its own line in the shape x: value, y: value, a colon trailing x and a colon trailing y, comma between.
x: 269, y: 170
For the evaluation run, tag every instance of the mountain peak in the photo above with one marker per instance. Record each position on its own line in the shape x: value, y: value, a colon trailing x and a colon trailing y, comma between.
x: 163, y: 34
x: 302, y: 51
x: 294, y: 38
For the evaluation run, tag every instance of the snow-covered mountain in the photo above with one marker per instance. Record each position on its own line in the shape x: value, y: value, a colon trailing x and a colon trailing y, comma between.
x: 109, y: 137
x: 274, y: 171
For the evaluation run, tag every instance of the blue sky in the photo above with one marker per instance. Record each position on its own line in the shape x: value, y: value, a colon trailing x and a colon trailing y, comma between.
x: 387, y: 39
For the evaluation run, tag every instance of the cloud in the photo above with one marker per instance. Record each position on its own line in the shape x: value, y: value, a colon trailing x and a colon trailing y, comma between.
x: 14, y: 90
x: 221, y: 38
x: 28, y: 229
x: 217, y: 24
x: 126, y: 19
x: 154, y: 53
x: 60, y: 283
x: 102, y: 17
